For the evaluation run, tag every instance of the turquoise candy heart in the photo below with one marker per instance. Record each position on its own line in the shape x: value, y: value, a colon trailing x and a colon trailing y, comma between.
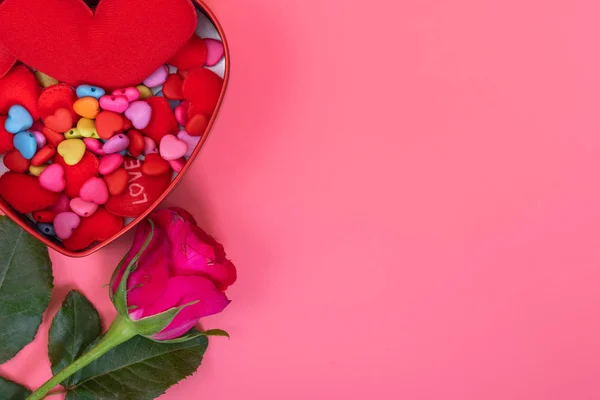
x: 18, y: 120
x: 89, y: 91
x: 26, y: 144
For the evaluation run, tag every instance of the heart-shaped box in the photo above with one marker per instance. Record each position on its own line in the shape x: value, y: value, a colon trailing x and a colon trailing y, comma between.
x: 7, y: 59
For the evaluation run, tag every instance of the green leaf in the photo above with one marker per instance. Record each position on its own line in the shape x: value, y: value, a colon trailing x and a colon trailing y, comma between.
x: 74, y: 328
x: 25, y: 287
x: 12, y: 391
x: 193, y: 333
x: 216, y: 332
x: 139, y: 369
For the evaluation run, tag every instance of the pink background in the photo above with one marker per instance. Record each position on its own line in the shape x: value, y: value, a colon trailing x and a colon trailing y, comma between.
x: 410, y: 190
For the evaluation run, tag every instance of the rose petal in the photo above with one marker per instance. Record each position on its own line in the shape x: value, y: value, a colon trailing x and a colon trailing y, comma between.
x: 164, y: 218
x: 182, y: 290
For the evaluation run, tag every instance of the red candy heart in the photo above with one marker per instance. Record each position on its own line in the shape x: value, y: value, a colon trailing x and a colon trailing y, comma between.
x: 121, y: 43
x: 173, y: 87
x: 117, y: 181
x: 192, y: 55
x: 108, y: 124
x: 154, y: 165
x: 29, y: 195
x: 60, y: 121
x: 98, y: 227
x: 141, y: 193
x: 44, y: 155
x: 45, y: 216
x: 77, y: 175
x: 19, y: 86
x: 14, y: 161
x: 136, y: 143
x: 57, y: 96
x: 162, y: 122
x: 52, y: 137
x: 6, y: 138
x: 202, y: 88
x: 197, y: 125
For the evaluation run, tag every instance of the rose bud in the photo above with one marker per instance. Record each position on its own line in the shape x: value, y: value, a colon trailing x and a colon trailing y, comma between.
x: 174, y: 274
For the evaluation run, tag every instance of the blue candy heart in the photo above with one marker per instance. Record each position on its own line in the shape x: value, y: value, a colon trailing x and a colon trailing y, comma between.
x: 18, y: 120
x: 89, y: 91
x: 26, y: 144
x: 48, y: 229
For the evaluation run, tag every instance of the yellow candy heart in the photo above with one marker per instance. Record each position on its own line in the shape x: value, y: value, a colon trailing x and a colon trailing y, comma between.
x: 71, y: 150
x: 36, y: 171
x: 87, y: 128
x: 74, y: 133
x: 145, y: 92
x: 44, y: 79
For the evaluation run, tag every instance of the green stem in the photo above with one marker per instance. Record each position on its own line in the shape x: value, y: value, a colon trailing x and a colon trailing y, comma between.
x: 119, y: 332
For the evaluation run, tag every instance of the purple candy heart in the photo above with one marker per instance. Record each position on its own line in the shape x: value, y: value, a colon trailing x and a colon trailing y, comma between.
x: 158, y: 77
x: 139, y: 113
x: 192, y: 141
x: 116, y: 144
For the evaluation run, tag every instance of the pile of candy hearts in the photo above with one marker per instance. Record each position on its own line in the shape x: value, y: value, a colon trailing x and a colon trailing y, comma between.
x: 81, y: 161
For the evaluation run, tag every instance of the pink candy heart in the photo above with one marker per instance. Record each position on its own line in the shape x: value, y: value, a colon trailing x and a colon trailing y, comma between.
x: 65, y: 224
x: 94, y: 145
x: 149, y: 146
x: 53, y: 178
x: 172, y: 148
x: 178, y: 164
x: 116, y: 144
x: 40, y: 139
x: 110, y: 163
x: 83, y: 208
x: 115, y: 103
x: 191, y: 141
x: 216, y: 51
x: 131, y: 93
x: 139, y: 113
x: 62, y: 205
x: 181, y: 113
x: 95, y: 191
x: 158, y: 77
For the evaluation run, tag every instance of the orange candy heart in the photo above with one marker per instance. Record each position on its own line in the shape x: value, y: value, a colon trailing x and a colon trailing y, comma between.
x: 108, y: 124
x: 117, y: 181
x: 60, y: 121
x: 87, y: 107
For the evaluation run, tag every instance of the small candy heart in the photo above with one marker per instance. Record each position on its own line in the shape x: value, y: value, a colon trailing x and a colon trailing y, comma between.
x: 93, y: 145
x: 110, y: 163
x: 197, y: 125
x: 44, y: 155
x: 131, y: 93
x: 191, y: 141
x: 83, y: 208
x: 14, y: 161
x: 94, y: 190
x: 53, y: 178
x: 155, y: 165
x: 136, y: 143
x: 26, y: 144
x: 173, y: 87
x: 73, y: 133
x: 139, y: 113
x: 116, y: 144
x: 87, y: 128
x: 177, y: 165
x: 52, y: 137
x: 158, y: 77
x: 45, y: 216
x: 171, y: 148
x: 181, y: 113
x: 114, y: 103
x: 65, y: 224
x: 117, y: 182
x: 149, y: 146
x: 40, y: 139
x: 215, y: 52
x: 71, y: 150
x: 90, y: 91
x: 60, y: 121
x: 192, y: 55
x: 87, y: 107
x: 61, y: 205
x: 145, y: 91
x: 202, y: 87
x: 46, y: 229
x: 37, y: 170
x: 6, y: 138
x: 108, y: 124
x: 18, y: 120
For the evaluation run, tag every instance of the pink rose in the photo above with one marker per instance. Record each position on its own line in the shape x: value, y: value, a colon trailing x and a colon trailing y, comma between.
x: 182, y: 265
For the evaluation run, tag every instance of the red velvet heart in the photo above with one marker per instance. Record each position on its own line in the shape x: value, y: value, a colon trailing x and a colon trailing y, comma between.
x: 7, y: 60
x: 118, y: 46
